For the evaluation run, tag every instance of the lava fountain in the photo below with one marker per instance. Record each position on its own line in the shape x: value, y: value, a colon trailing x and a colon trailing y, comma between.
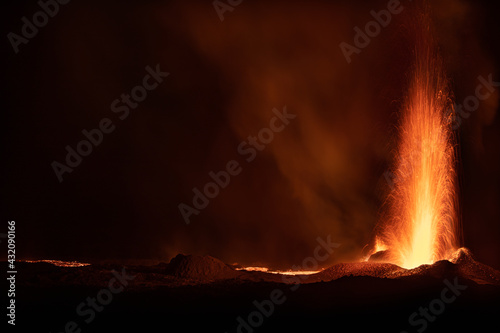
x: 420, y: 222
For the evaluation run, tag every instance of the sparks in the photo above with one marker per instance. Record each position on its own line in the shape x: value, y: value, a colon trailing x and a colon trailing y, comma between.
x: 421, y: 222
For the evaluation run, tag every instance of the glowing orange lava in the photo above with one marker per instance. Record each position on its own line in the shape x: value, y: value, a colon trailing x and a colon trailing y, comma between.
x: 267, y: 270
x: 59, y: 263
x: 420, y: 225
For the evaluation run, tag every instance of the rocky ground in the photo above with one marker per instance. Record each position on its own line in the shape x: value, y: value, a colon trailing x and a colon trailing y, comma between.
x: 203, y: 294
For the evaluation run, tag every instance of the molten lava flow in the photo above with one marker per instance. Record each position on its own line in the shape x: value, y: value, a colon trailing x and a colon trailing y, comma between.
x: 420, y: 225
x: 59, y: 263
x: 267, y: 270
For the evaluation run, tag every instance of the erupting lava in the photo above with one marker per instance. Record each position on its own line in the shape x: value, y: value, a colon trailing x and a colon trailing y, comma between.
x: 420, y: 224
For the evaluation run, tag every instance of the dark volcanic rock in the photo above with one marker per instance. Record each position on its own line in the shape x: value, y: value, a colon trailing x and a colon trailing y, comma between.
x: 467, y: 266
x: 193, y: 269
x: 200, y: 268
x: 380, y: 270
x: 202, y: 294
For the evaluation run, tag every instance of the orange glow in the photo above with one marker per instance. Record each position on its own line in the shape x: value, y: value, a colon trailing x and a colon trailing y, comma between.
x: 421, y: 222
x: 379, y: 245
x: 267, y: 270
x: 253, y: 269
x: 59, y: 263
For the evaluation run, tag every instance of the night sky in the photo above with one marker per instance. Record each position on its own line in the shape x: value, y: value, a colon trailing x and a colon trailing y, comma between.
x: 321, y: 173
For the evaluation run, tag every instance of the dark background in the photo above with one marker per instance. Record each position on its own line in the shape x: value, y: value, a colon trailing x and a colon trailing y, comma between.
x: 322, y: 175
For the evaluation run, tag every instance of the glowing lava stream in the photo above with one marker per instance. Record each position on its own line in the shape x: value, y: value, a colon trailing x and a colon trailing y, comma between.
x: 267, y: 270
x: 59, y: 263
x: 420, y: 223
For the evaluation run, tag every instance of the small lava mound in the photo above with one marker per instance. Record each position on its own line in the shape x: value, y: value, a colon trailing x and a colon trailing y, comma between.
x: 468, y: 266
x: 199, y: 268
x: 461, y: 263
x: 373, y: 269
